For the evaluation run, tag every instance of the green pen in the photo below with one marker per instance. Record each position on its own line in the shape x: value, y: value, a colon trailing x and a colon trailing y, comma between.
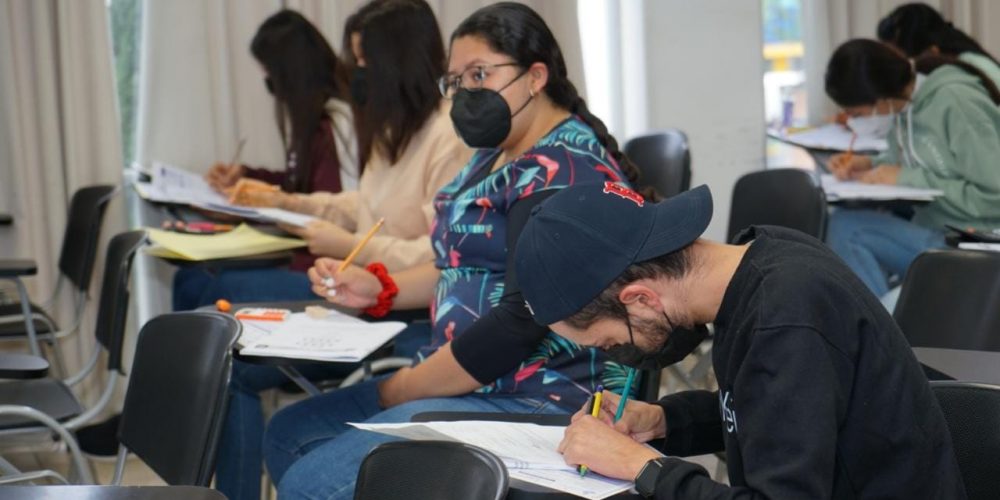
x: 625, y: 392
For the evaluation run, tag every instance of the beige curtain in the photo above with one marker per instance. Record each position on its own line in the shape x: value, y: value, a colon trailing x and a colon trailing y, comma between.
x: 828, y: 23
x: 58, y: 132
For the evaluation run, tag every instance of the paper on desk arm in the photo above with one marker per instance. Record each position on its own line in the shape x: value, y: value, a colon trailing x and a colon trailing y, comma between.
x: 170, y: 184
x: 240, y: 242
x: 833, y: 137
x: 528, y: 451
x: 337, y: 337
x: 837, y: 190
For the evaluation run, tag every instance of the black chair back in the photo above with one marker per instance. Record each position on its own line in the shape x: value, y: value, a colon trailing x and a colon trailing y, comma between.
x: 785, y: 197
x: 664, y: 161
x: 112, y: 308
x: 176, y: 396
x: 951, y: 300
x: 972, y: 412
x: 431, y: 470
x: 83, y: 231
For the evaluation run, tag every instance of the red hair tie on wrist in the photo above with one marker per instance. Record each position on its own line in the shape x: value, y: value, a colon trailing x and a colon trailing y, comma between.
x: 388, y: 293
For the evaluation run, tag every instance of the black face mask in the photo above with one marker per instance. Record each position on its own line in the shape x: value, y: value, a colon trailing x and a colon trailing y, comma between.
x: 269, y: 85
x: 680, y: 343
x: 482, y: 117
x: 359, y: 86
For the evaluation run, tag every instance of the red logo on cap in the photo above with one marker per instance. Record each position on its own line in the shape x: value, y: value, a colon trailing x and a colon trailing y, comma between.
x: 624, y: 192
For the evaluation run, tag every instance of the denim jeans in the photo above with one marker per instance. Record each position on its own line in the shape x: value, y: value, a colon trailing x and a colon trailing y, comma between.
x: 197, y: 286
x: 877, y: 245
x: 240, y: 455
x: 312, y: 453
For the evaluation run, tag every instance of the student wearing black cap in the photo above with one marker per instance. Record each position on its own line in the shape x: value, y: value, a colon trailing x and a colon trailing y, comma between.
x: 819, y: 394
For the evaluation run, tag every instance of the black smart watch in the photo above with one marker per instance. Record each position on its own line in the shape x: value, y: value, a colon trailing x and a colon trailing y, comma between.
x: 645, y: 482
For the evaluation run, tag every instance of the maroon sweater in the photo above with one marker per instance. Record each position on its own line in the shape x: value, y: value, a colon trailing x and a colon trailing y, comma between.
x: 325, y: 176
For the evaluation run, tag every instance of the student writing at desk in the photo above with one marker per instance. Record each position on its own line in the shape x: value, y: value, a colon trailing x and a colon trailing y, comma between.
x: 820, y: 396
x: 314, y: 118
x: 944, y: 134
x: 410, y: 150
x: 513, y: 101
x: 918, y: 30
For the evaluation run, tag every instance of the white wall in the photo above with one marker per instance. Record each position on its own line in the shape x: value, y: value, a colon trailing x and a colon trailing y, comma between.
x: 704, y: 68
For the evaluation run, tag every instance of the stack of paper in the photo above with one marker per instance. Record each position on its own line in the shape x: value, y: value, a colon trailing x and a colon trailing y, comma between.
x: 338, y: 337
x: 172, y: 184
x: 240, y: 242
x: 837, y: 190
x: 832, y: 137
x: 528, y: 451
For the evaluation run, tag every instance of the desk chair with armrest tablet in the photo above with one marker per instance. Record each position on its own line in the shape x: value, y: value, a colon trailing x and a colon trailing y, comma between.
x: 174, y: 405
x: 50, y: 400
x: 29, y: 321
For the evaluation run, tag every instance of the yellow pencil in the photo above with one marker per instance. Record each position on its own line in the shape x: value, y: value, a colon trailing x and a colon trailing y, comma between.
x: 361, y: 244
x: 594, y: 412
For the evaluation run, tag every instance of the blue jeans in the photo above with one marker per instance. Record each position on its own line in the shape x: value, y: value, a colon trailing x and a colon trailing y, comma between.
x: 240, y: 456
x: 877, y: 245
x: 198, y: 286
x: 312, y: 453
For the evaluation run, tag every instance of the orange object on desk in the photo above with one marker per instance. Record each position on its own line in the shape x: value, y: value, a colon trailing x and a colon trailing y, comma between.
x: 223, y: 305
x: 262, y: 314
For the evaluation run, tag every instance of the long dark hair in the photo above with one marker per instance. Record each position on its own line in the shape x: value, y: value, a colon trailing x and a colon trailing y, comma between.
x: 304, y: 73
x: 916, y: 27
x: 404, y: 58
x: 518, y: 31
x: 861, y: 72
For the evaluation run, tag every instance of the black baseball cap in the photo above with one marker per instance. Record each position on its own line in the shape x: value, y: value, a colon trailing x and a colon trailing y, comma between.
x: 577, y: 242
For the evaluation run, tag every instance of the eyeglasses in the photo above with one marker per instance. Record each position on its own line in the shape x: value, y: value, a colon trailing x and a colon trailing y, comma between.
x: 470, y: 79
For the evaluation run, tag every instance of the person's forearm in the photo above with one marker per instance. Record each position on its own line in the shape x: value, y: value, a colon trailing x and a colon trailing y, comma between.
x: 439, y: 376
x: 416, y: 286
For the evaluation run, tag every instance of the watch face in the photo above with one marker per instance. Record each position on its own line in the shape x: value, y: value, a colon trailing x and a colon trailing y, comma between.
x: 645, y: 482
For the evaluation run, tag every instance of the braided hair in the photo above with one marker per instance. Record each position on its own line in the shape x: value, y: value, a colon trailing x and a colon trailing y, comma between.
x: 518, y: 31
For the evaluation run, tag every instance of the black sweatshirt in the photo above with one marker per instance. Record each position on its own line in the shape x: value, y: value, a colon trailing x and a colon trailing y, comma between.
x: 820, y: 395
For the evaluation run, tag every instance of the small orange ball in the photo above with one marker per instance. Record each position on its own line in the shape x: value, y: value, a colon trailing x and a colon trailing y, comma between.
x: 223, y: 305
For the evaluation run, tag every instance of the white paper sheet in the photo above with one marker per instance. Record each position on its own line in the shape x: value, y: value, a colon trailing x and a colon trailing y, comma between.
x: 852, y: 190
x: 338, y: 337
x: 832, y: 137
x: 181, y: 186
x: 975, y: 245
x: 528, y: 451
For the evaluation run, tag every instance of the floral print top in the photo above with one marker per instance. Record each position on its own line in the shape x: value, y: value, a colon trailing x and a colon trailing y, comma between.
x: 469, y: 236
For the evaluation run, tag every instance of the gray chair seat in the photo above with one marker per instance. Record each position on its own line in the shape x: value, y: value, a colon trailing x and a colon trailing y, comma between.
x: 49, y: 396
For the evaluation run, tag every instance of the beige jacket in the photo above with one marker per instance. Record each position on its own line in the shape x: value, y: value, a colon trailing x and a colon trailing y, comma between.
x: 402, y: 193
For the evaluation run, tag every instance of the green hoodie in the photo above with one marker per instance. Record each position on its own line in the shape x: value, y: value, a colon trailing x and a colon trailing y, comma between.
x: 984, y: 64
x: 956, y: 138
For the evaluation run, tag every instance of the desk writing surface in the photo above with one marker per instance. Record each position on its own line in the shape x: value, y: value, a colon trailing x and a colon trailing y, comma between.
x: 74, y: 492
x: 962, y: 365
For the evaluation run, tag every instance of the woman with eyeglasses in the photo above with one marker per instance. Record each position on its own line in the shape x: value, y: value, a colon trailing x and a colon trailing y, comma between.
x: 511, y: 99
x: 943, y: 128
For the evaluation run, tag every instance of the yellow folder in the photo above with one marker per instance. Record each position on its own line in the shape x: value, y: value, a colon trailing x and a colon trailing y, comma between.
x: 240, y: 242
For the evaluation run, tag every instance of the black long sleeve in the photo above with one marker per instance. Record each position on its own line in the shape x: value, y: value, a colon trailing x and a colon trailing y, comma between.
x: 694, y: 424
x: 507, y: 334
